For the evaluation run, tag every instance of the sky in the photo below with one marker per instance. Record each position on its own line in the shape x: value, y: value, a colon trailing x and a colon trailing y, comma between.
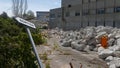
x: 34, y: 5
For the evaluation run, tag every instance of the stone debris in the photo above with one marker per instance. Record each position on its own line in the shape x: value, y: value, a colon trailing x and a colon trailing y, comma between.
x: 112, y: 66
x: 105, y: 53
x: 90, y: 37
x: 67, y: 43
x: 111, y: 41
x: 116, y: 62
x: 118, y: 42
x: 100, y: 49
x: 79, y: 47
x: 115, y: 48
x: 109, y: 58
x: 117, y: 54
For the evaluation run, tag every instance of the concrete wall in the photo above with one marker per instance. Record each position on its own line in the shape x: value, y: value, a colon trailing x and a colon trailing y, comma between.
x: 42, y: 16
x: 66, y: 3
x: 100, y: 12
x: 55, y: 21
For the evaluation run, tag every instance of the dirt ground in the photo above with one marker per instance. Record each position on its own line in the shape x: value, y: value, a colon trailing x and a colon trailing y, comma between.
x: 56, y: 56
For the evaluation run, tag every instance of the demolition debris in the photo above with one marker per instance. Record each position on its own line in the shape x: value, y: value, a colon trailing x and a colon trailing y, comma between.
x: 89, y: 38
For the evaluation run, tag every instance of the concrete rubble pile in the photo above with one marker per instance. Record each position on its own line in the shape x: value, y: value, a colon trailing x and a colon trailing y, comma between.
x: 89, y: 38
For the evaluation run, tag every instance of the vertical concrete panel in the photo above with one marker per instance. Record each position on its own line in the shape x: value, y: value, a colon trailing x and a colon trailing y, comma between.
x: 117, y: 3
x: 67, y: 22
x: 92, y: 20
x: 67, y: 25
x: 85, y: 23
x: 72, y: 13
x: 109, y: 23
x: 77, y: 21
x: 77, y: 25
x: 117, y: 20
x: 92, y: 0
x: 109, y: 3
x: 109, y: 10
x: 85, y: 6
x: 100, y: 20
x: 100, y: 23
x: 85, y: 1
x: 92, y: 23
x: 109, y: 18
x: 117, y: 23
x: 92, y: 5
x: 59, y: 23
x: 65, y: 3
x: 117, y: 16
x: 100, y: 4
x: 56, y: 21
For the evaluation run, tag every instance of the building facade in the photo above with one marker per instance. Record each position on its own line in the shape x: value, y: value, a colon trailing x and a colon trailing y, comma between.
x: 42, y: 16
x: 75, y: 14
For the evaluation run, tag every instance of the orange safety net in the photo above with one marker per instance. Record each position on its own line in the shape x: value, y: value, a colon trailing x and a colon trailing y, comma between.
x: 104, y: 41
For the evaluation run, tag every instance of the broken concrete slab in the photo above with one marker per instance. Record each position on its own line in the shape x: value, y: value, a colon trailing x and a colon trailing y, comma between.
x: 105, y: 53
x: 82, y: 38
x: 79, y: 47
x: 111, y: 42
x: 100, y: 49
x: 112, y: 66
x: 109, y: 58
x: 116, y: 61
x: 100, y: 34
x: 67, y: 43
x: 117, y: 54
x: 114, y: 48
x: 118, y: 42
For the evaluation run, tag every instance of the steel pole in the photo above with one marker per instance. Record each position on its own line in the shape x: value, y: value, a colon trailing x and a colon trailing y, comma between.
x: 34, y: 48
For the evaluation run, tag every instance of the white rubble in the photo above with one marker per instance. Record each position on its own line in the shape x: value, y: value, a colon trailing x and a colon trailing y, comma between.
x: 117, y: 54
x: 90, y: 37
x: 115, y: 48
x: 100, y: 49
x: 99, y: 34
x: 117, y: 36
x: 115, y: 61
x: 111, y: 41
x: 77, y: 46
x: 112, y: 66
x: 66, y: 43
x: 105, y: 53
x: 118, y: 42
x: 109, y: 58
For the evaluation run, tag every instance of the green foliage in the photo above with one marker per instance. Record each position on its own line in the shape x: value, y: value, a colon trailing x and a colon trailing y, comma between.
x: 15, y: 47
x: 44, y: 56
x: 56, y: 46
x: 30, y: 15
x: 4, y: 15
x: 39, y: 39
x: 47, y: 65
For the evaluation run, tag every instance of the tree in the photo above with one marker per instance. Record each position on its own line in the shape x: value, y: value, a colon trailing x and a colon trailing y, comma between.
x: 4, y: 15
x: 30, y: 15
x: 15, y: 47
x: 19, y: 7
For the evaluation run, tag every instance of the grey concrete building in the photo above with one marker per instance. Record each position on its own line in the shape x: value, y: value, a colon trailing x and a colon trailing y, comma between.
x: 75, y: 14
x: 55, y: 18
x: 42, y: 16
